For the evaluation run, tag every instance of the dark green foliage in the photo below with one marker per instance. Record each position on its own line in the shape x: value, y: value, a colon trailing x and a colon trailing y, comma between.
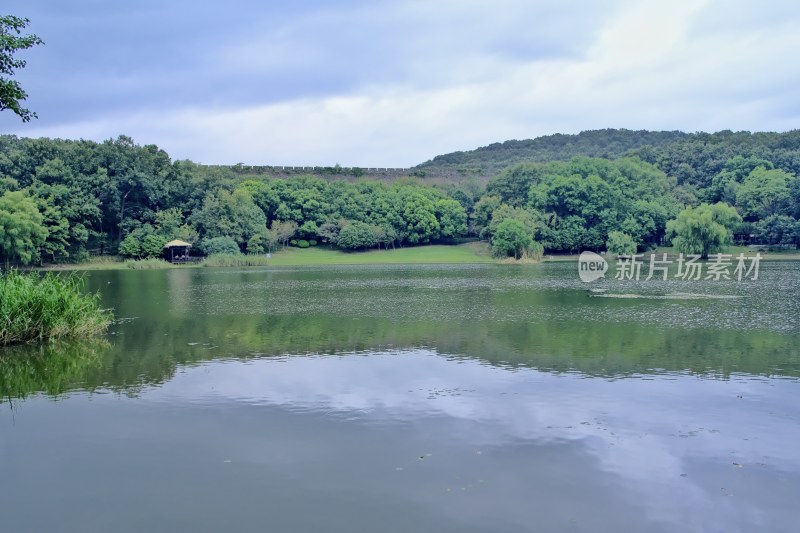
x: 609, y: 143
x: 48, y: 307
x: 219, y: 245
x: 779, y: 230
x: 575, y: 204
x: 143, y: 243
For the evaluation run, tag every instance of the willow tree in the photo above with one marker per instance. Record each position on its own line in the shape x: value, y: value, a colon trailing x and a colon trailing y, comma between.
x: 22, y: 229
x: 704, y: 229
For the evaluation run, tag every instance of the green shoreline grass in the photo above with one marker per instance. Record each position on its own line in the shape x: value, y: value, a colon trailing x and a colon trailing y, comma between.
x: 36, y: 308
x: 433, y: 254
x: 469, y: 253
x: 473, y: 252
x: 787, y: 255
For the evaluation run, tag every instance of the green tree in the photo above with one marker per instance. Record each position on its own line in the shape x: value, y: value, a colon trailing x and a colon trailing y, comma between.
x: 452, y: 218
x: 504, y: 212
x: 357, y: 236
x: 420, y: 217
x: 513, y: 184
x: 232, y: 215
x: 219, y: 245
x: 703, y: 229
x: 777, y: 229
x: 283, y: 231
x: 724, y: 184
x: 619, y: 243
x: 261, y: 242
x: 483, y: 211
x: 11, y: 41
x: 764, y: 193
x: 511, y: 239
x: 144, y: 242
x: 22, y: 229
x: 169, y: 222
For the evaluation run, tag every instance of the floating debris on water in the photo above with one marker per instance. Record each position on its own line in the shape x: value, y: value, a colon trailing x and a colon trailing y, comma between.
x: 669, y: 296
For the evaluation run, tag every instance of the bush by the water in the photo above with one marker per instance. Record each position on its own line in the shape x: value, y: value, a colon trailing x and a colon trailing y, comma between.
x: 235, y: 260
x: 34, y: 307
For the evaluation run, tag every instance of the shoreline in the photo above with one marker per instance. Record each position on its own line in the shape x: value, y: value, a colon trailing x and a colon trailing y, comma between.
x: 469, y: 253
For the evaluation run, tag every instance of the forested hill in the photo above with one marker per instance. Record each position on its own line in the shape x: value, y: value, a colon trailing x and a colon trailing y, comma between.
x: 689, y: 157
x: 607, y: 143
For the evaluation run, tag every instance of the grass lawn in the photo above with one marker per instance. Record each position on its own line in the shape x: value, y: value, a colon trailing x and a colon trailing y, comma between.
x: 736, y: 250
x: 777, y: 255
x: 474, y: 252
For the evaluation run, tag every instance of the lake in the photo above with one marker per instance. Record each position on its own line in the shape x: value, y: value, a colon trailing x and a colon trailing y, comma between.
x: 411, y: 398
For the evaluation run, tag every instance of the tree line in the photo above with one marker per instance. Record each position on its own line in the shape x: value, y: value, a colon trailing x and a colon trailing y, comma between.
x: 63, y: 200
x: 628, y: 205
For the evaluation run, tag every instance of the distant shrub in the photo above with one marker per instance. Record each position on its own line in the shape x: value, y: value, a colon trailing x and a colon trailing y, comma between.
x: 293, y: 242
x: 312, y: 242
x: 302, y: 243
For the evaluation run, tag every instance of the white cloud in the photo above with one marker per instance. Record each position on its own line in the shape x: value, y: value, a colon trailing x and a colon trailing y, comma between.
x: 641, y: 454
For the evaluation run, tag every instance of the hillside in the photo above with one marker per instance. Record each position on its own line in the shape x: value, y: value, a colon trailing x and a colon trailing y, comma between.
x: 607, y: 143
x: 690, y: 157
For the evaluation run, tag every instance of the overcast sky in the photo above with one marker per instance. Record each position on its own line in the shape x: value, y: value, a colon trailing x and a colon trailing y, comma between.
x: 395, y: 83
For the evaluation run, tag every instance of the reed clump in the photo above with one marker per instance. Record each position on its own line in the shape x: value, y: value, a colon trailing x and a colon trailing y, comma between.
x: 35, y: 308
x: 147, y: 264
x: 235, y: 260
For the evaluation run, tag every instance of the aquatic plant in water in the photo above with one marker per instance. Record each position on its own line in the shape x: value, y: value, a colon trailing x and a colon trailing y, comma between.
x: 34, y: 307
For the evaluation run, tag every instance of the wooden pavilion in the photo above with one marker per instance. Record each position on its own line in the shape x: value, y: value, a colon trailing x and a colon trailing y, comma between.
x: 177, y: 251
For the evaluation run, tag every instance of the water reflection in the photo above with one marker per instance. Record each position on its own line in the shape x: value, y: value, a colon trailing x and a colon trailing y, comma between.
x: 423, y: 441
x: 540, y: 318
x: 410, y: 399
x: 647, y: 438
x: 53, y: 368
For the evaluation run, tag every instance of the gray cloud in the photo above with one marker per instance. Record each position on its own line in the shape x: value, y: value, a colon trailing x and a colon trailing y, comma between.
x: 115, y: 58
x: 396, y: 83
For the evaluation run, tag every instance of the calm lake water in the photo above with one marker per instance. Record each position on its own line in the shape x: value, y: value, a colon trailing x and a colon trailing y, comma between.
x: 411, y: 398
